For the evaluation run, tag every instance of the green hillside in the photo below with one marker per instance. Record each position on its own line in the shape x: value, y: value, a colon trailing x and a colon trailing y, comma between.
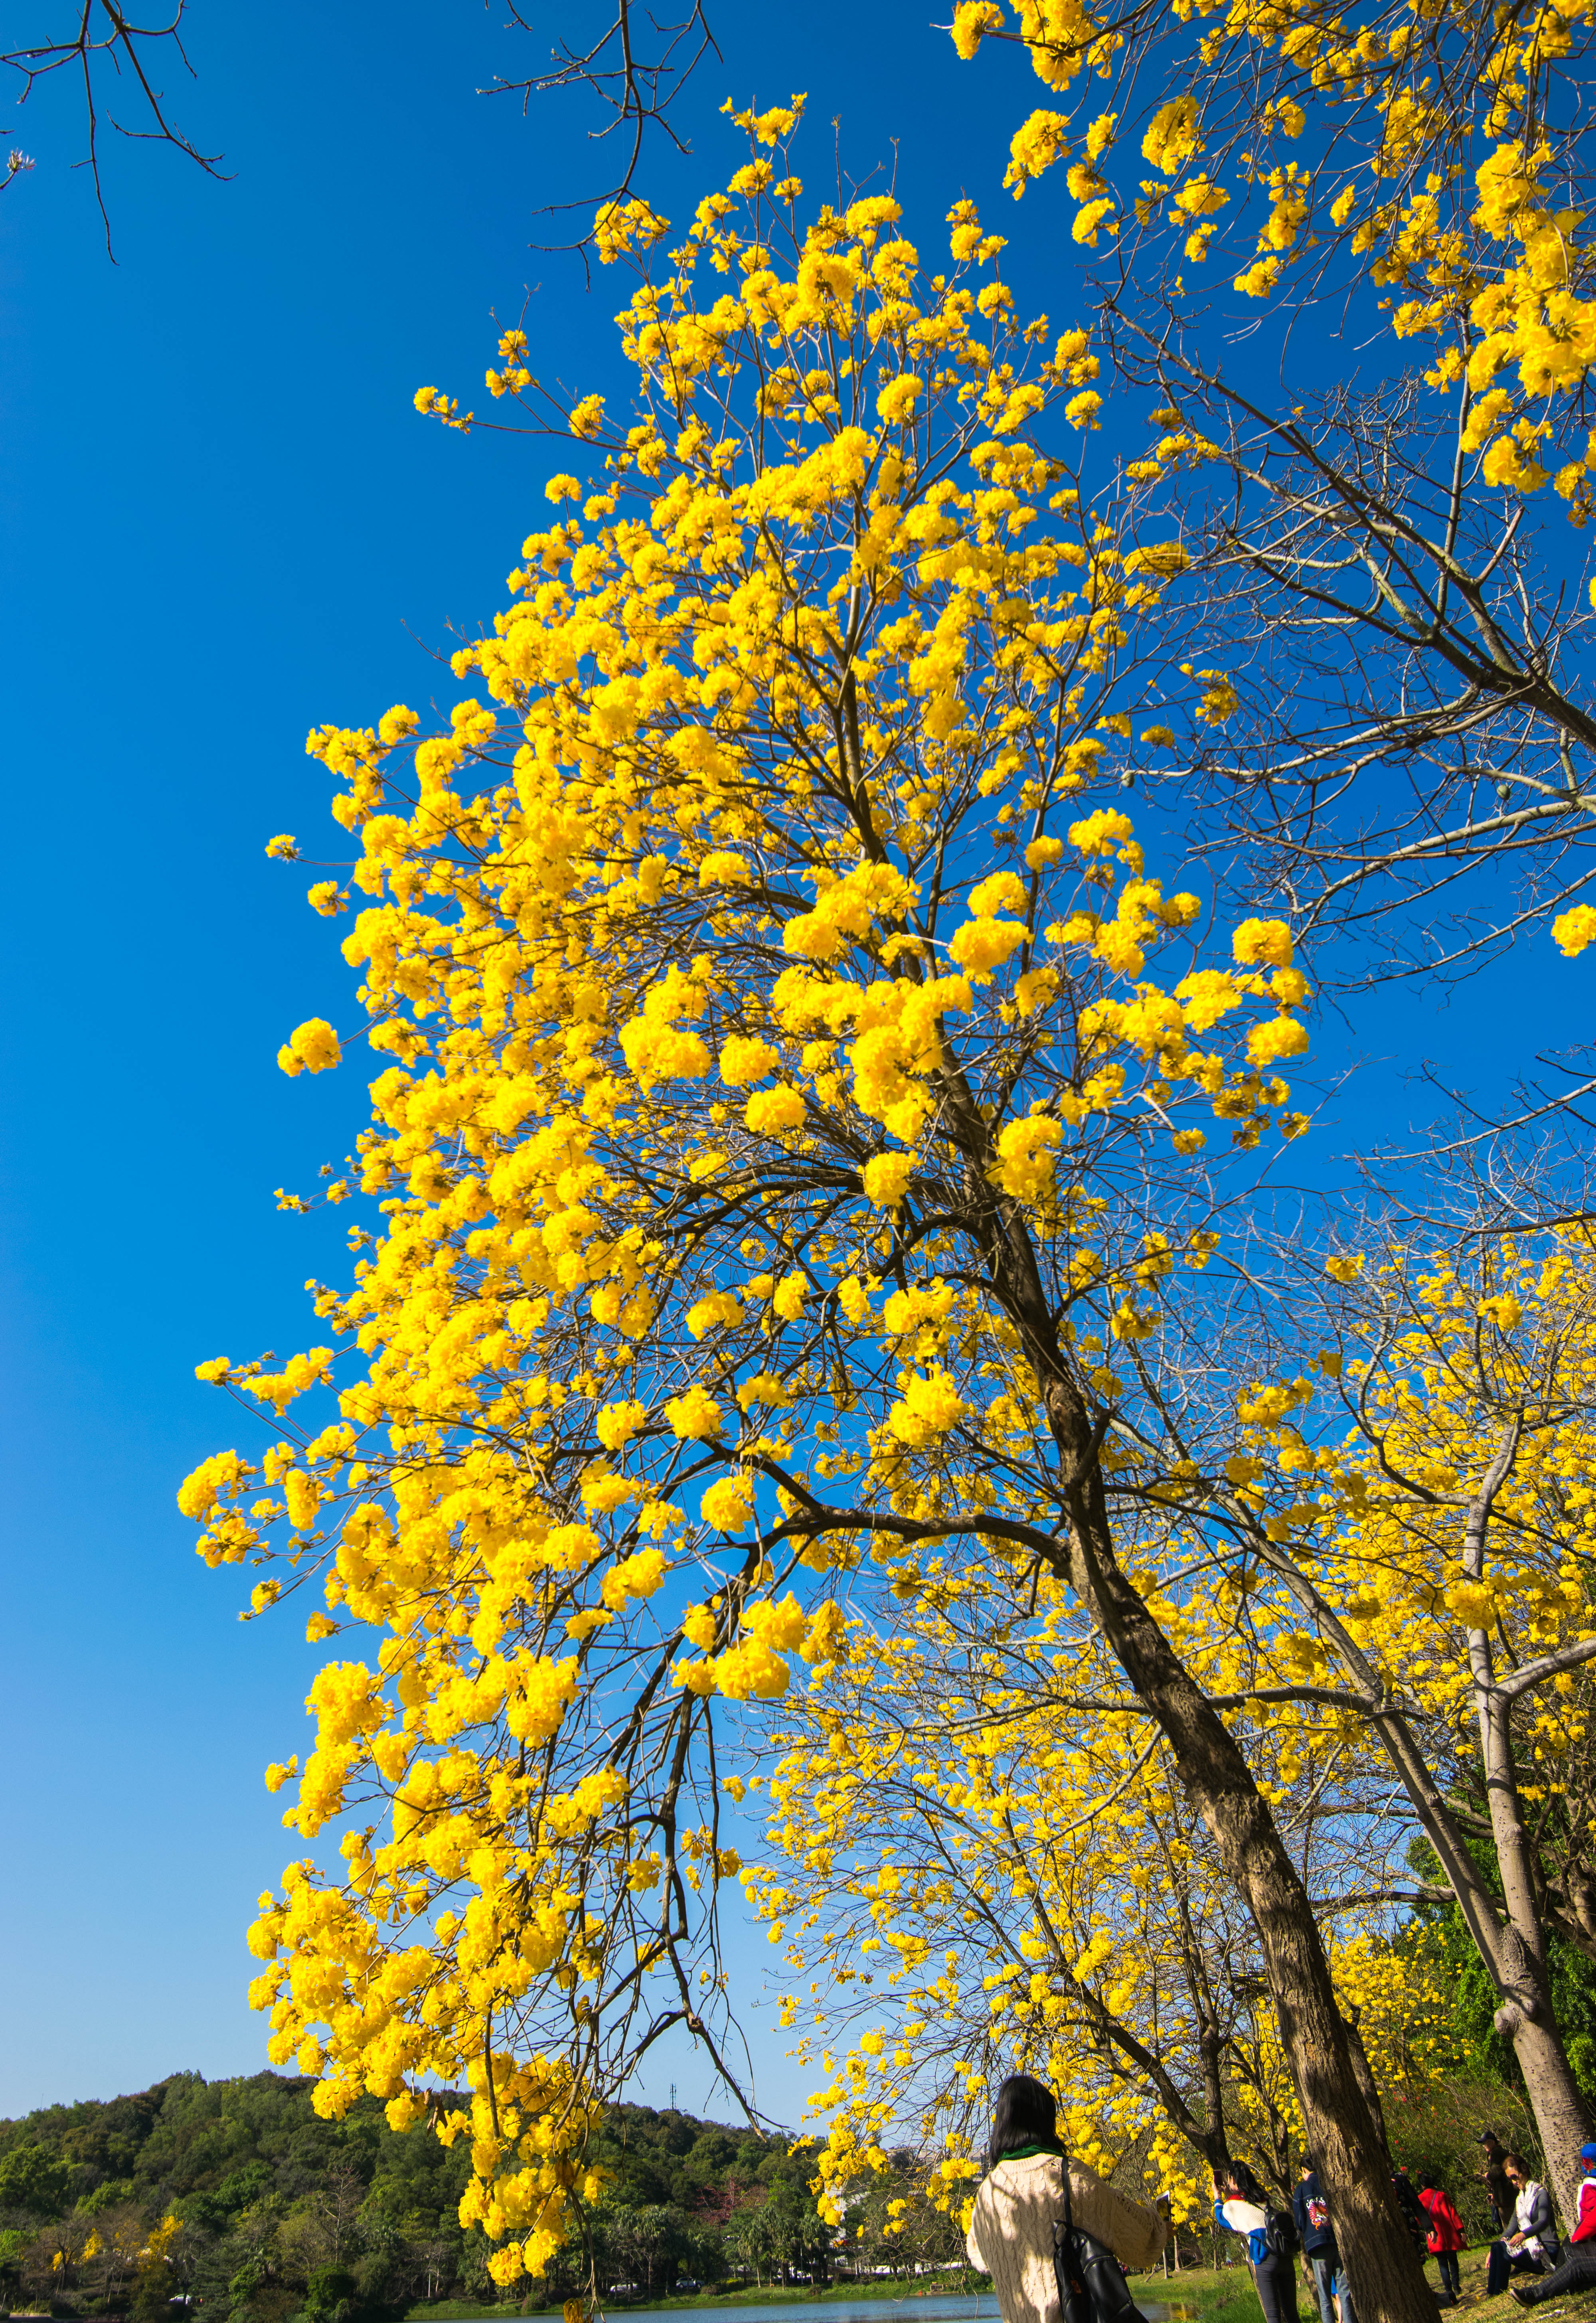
x: 234, y: 2195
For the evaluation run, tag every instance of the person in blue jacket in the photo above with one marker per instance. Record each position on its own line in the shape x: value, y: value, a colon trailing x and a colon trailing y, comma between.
x: 1317, y: 2237
x: 1241, y: 2204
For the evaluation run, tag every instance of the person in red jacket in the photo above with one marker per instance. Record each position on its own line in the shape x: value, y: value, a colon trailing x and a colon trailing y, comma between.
x: 1445, y: 2237
x: 1578, y: 2269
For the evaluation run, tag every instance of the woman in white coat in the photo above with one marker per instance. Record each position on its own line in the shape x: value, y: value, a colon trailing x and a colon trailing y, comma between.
x: 1011, y: 2235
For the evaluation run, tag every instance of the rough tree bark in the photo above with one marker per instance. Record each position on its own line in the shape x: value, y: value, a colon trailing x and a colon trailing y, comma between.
x: 1522, y: 1971
x: 1388, y: 2285
x: 1387, y: 2277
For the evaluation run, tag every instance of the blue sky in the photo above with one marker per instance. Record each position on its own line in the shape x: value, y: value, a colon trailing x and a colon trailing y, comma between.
x: 222, y: 523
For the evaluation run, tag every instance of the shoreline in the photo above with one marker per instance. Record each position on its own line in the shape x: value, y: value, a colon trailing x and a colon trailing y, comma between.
x: 1206, y: 2286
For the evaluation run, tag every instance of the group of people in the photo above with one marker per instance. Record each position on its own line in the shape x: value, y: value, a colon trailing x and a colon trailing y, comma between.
x: 1031, y: 2186
x: 1529, y: 2242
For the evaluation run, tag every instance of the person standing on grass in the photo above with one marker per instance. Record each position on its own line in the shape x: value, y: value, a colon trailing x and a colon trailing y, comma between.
x: 1317, y: 2237
x: 1408, y: 2203
x: 1029, y: 2179
x: 1445, y: 2237
x: 1241, y: 2204
x: 1494, y: 2178
x: 1530, y: 2246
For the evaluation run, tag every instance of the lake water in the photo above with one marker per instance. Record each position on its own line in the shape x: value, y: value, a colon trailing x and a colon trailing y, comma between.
x: 927, y: 2307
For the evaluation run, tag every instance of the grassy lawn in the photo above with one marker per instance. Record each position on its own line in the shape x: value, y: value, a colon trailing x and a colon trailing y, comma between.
x: 1222, y: 2294
x: 891, y: 2287
x: 1470, y: 2266
x: 1227, y: 2296
x: 1214, y: 2291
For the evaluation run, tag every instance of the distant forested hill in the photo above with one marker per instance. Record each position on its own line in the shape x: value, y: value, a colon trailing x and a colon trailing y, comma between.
x: 235, y: 2195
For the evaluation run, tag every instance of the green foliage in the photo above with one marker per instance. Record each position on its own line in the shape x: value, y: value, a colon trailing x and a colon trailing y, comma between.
x: 331, y: 2295
x: 693, y: 2202
x: 281, y: 2215
x: 671, y: 2157
x: 36, y: 2180
x: 211, y: 2151
x: 1480, y: 2086
x: 1437, y: 2128
x: 1480, y: 2051
x: 109, y: 2195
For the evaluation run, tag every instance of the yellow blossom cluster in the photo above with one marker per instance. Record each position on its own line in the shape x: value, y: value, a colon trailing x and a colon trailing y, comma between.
x: 1438, y: 153
x: 978, y: 1863
x: 1443, y: 1361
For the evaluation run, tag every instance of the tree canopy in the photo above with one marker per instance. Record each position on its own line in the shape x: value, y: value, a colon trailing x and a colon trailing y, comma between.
x: 238, y: 2192
x: 825, y: 1179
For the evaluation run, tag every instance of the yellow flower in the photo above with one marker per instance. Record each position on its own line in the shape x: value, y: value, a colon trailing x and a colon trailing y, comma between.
x: 617, y: 1423
x: 972, y: 20
x: 887, y: 1180
x: 1281, y: 1037
x: 774, y: 1112
x: 1263, y: 943
x: 694, y: 1414
x: 895, y: 402
x: 726, y: 1506
x: 312, y: 1047
x: 1572, y: 931
x: 634, y: 1577
x: 1026, y: 1151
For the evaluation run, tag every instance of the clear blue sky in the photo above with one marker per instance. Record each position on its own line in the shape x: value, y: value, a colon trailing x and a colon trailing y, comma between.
x: 224, y: 523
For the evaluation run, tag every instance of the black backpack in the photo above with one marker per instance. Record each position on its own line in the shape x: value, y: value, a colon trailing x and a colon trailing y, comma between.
x: 1279, y: 2232
x: 1414, y: 2216
x: 1092, y: 2286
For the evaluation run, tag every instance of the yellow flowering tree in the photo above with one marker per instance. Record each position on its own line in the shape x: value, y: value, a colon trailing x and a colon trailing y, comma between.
x: 1374, y: 676
x: 799, y: 1085
x: 981, y: 1862
x: 1425, y: 1578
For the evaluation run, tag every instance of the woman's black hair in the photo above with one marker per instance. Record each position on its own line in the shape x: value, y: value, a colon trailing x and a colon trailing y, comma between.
x: 1427, y: 2183
x: 1246, y: 2185
x: 1022, y: 2113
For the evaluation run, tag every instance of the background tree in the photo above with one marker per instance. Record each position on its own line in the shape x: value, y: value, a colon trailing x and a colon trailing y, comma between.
x: 1412, y: 1598
x: 983, y: 1863
x: 234, y: 2190
x: 33, y: 2179
x: 1449, y: 1583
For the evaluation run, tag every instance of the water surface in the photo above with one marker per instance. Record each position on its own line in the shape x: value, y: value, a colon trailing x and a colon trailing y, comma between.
x: 911, y: 2307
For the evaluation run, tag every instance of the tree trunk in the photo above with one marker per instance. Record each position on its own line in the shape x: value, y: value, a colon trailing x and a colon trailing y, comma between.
x: 1561, y: 2116
x: 1387, y: 2276
x: 1526, y: 2017
x: 1388, y: 2283
x: 1365, y: 2073
x: 1215, y: 2144
x: 1514, y: 1953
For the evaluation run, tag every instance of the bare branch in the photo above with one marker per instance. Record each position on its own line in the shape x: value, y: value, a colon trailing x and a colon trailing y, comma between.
x: 107, y: 41
x: 638, y: 92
